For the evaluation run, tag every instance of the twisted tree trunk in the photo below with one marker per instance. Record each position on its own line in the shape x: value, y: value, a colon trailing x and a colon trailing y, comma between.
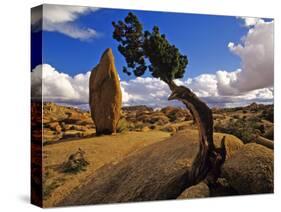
x: 208, y: 161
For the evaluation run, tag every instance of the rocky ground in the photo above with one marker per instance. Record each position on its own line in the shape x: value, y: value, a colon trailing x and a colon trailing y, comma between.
x: 61, y: 122
x: 151, y: 155
x: 59, y: 182
x: 245, y: 122
x: 160, y: 171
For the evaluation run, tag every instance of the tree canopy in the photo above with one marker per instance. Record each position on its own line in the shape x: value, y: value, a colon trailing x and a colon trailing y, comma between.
x: 144, y: 50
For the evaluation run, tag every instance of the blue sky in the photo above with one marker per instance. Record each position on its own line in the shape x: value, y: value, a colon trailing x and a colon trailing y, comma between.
x: 230, y: 58
x: 204, y: 38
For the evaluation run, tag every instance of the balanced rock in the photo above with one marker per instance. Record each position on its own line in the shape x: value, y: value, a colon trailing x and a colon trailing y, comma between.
x: 105, y: 95
x: 250, y: 169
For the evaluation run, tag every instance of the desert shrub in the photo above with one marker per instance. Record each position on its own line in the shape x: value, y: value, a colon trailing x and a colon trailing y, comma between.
x: 139, y: 125
x: 243, y: 129
x: 261, y: 128
x: 131, y: 126
x: 254, y: 119
x: 152, y: 127
x: 172, y: 117
x: 268, y: 115
x: 76, y: 162
x: 122, y: 125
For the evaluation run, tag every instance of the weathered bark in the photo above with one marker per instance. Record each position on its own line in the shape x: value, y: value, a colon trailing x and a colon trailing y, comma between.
x: 208, y: 161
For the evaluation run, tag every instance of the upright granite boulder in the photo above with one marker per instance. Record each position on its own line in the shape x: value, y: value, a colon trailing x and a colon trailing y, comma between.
x: 105, y: 96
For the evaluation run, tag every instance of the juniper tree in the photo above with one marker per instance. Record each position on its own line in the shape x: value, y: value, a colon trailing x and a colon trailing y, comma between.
x: 144, y: 50
x: 151, y: 51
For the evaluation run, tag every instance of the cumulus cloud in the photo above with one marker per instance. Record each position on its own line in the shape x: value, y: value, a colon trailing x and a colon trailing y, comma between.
x: 256, y: 52
x: 59, y: 87
x: 154, y: 92
x: 58, y: 18
x: 145, y: 91
x: 62, y: 88
x: 253, y: 82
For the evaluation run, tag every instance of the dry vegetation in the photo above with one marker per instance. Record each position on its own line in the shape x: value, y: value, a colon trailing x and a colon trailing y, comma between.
x: 246, y: 122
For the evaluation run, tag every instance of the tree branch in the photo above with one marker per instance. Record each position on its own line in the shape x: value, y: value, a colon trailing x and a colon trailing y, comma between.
x: 208, y: 160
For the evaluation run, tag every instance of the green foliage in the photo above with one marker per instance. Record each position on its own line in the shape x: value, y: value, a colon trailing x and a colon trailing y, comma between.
x: 243, y: 129
x: 148, y: 50
x: 75, y: 163
x: 268, y: 115
x: 122, y: 125
x: 139, y: 125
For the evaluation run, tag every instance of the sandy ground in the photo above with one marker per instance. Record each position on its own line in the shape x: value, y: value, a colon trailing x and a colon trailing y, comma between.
x: 99, y: 151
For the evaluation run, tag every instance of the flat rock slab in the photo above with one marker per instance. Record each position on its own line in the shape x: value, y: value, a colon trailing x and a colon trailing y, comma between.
x: 156, y: 172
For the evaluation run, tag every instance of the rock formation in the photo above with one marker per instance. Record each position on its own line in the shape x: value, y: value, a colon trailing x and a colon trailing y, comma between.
x: 60, y: 122
x: 156, y: 172
x: 250, y: 170
x: 105, y: 95
x: 199, y: 190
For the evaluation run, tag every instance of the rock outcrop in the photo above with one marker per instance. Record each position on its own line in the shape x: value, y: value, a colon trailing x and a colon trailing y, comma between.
x: 156, y: 172
x: 105, y: 95
x: 232, y: 143
x: 197, y: 191
x: 61, y: 122
x: 250, y: 170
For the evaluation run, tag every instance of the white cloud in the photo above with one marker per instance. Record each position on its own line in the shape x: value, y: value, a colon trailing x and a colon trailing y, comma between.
x: 251, y: 21
x: 225, y: 80
x: 61, y: 19
x: 203, y: 85
x: 62, y: 88
x: 253, y: 82
x: 145, y: 91
x: 154, y: 92
x: 71, y: 30
x: 59, y: 87
x: 256, y: 52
